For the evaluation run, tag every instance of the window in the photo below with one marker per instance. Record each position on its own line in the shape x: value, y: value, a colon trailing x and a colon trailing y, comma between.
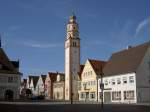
x: 89, y: 83
x: 116, y: 95
x: 91, y: 72
x: 131, y: 79
x: 113, y: 81
x: 74, y: 44
x: 92, y: 95
x: 84, y: 85
x: 124, y: 80
x: 82, y: 95
x: 118, y: 81
x: 15, y: 79
x: 3, y: 79
x: 128, y: 95
x: 106, y: 82
x: 10, y: 79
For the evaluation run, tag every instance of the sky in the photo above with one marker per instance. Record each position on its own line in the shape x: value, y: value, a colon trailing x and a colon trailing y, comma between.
x: 34, y: 31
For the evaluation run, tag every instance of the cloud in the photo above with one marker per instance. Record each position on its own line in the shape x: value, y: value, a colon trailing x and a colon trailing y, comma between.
x: 41, y: 45
x: 33, y: 43
x: 142, y: 25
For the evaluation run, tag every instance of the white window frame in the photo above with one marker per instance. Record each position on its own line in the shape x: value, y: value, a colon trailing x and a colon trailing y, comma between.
x: 124, y: 79
x: 92, y: 95
x: 118, y: 80
x: 131, y: 79
x: 113, y: 82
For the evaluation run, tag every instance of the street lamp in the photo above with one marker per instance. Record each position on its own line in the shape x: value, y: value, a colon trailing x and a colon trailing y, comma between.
x: 101, y: 86
x: 97, y: 77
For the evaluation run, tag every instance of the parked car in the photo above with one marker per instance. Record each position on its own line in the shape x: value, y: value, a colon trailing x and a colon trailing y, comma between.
x: 40, y: 97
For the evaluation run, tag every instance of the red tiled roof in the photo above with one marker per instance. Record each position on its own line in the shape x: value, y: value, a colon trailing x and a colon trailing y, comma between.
x: 53, y: 76
x: 35, y: 80
x: 97, y: 65
x: 81, y: 69
x: 126, y: 61
x: 7, y: 65
x: 43, y: 78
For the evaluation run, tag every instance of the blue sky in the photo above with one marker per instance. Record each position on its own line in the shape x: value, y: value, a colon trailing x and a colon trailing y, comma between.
x: 34, y: 31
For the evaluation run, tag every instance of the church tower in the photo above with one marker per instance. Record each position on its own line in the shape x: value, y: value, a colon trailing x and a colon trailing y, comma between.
x: 72, y: 59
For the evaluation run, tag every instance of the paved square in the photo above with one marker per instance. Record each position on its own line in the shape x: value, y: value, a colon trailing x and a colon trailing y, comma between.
x: 49, y: 107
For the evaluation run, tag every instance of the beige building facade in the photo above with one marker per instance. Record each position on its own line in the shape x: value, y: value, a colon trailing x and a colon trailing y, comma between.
x: 10, y: 78
x: 89, y: 80
x: 59, y: 87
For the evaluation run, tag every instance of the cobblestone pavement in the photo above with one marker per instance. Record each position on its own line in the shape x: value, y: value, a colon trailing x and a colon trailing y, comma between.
x: 66, y: 107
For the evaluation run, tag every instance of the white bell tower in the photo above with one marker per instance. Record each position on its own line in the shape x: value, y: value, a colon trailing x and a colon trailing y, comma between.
x: 72, y: 59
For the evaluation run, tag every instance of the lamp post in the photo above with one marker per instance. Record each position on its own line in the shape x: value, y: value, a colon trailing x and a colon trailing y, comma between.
x: 101, y: 87
x: 97, y: 86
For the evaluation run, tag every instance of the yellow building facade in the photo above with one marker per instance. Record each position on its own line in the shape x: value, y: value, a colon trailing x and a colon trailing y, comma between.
x: 89, y: 80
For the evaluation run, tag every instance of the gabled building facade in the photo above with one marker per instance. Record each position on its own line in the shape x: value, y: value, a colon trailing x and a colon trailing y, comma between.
x: 59, y: 87
x: 10, y: 77
x: 32, y: 83
x: 40, y: 87
x: 50, y: 79
x: 23, y: 87
x: 127, y: 76
x: 89, y: 80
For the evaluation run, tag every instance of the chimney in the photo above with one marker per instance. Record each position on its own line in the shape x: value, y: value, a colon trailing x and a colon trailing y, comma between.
x: 129, y: 47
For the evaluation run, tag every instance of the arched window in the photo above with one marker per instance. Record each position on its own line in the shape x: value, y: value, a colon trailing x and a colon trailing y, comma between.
x: 74, y: 44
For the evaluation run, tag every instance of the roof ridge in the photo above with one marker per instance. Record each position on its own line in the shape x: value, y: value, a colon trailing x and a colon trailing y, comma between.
x: 96, y: 60
x: 126, y: 60
x: 133, y: 47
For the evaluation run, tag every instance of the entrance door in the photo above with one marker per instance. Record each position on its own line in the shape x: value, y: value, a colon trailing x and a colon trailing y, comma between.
x: 9, y: 95
x: 107, y: 97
